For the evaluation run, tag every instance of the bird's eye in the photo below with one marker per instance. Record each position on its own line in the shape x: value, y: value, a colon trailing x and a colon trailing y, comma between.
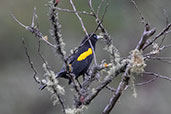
x: 94, y: 36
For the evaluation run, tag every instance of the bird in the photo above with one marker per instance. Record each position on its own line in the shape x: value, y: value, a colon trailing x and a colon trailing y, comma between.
x: 80, y: 61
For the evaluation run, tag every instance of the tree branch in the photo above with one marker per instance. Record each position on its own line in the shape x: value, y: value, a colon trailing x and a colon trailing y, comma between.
x: 31, y: 63
x: 56, y: 30
x: 104, y: 83
x: 158, y: 75
x: 34, y: 30
x: 163, y: 32
x: 118, y: 93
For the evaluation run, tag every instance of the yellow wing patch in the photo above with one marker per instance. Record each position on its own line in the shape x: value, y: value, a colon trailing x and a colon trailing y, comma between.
x: 85, y: 54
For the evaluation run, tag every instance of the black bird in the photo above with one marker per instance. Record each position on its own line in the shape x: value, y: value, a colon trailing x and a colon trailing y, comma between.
x: 80, y: 61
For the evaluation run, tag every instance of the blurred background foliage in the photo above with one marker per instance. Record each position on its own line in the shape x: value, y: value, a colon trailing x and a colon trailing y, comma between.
x: 19, y: 94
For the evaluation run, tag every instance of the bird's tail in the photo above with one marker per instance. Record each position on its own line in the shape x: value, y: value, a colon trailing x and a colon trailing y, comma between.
x: 61, y: 74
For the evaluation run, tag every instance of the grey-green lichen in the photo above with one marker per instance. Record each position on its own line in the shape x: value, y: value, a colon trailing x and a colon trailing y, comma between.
x: 136, y: 66
x: 132, y: 83
x: 52, y: 84
x: 114, y: 54
x: 137, y: 63
x: 79, y: 110
x: 55, y: 30
x: 156, y: 49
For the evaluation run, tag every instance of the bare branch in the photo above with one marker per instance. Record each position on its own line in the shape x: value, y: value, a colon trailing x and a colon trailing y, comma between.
x: 151, y: 54
x: 166, y: 47
x: 139, y: 12
x: 162, y: 59
x: 146, y: 82
x: 34, y: 30
x: 145, y: 36
x: 41, y: 56
x: 110, y: 89
x: 158, y: 75
x: 72, y: 11
x: 167, y: 22
x: 106, y: 7
x: 164, y: 31
x: 99, y: 7
x: 26, y: 27
x: 168, y: 32
x: 166, y: 16
x: 33, y: 18
x: 31, y: 63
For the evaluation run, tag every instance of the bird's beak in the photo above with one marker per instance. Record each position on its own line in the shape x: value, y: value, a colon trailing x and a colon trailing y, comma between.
x: 99, y: 37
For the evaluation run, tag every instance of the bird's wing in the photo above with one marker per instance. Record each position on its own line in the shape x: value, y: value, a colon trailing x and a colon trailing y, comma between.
x: 72, y: 58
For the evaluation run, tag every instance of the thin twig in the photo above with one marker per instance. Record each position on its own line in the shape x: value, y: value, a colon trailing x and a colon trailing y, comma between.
x: 139, y: 12
x: 110, y: 89
x: 31, y: 63
x: 104, y: 13
x: 34, y: 30
x: 164, y: 31
x: 146, y: 82
x: 167, y: 22
x: 166, y: 47
x: 166, y: 16
x: 41, y: 56
x: 145, y: 36
x: 158, y: 75
x: 162, y: 59
x: 84, y: 29
x: 72, y: 11
x: 99, y: 7
x: 148, y: 55
x: 13, y: 16
x: 33, y: 18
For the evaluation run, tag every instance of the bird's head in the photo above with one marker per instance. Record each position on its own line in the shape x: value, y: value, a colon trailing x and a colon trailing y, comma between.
x: 93, y: 38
